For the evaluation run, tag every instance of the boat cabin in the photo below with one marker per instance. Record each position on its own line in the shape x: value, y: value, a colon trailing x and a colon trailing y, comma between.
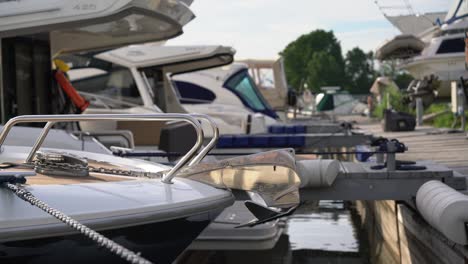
x: 32, y: 32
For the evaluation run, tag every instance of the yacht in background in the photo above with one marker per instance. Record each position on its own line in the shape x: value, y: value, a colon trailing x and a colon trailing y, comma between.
x: 436, y: 50
x: 232, y: 87
x: 137, y: 79
x: 184, y: 79
x: 270, y: 78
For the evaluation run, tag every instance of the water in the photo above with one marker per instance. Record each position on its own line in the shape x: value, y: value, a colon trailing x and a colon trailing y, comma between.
x: 328, y: 228
x: 320, y: 232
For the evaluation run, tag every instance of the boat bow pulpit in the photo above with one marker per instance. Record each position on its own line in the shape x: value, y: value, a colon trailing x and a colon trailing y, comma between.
x: 127, y: 199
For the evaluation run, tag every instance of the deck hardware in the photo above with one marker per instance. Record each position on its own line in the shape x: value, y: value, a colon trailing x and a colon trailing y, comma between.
x: 50, y: 120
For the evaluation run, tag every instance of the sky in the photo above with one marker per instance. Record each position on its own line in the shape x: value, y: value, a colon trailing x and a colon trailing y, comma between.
x: 262, y: 28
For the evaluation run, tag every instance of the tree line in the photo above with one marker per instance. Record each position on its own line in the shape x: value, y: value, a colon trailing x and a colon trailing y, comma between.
x: 315, y: 60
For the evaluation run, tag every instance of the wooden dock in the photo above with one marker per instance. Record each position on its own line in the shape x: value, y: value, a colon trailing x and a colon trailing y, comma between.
x: 396, y: 231
x: 428, y: 143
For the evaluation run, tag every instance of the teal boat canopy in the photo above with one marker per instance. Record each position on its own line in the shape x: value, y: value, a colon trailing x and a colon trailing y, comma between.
x: 326, y: 104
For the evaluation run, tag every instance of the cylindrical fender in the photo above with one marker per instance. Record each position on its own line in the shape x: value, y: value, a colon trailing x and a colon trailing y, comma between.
x: 445, y: 209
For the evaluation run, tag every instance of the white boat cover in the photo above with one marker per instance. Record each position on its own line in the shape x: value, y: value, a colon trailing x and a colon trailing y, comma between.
x: 458, y: 10
x: 152, y: 55
x: 400, y: 47
x: 416, y: 24
x: 86, y: 25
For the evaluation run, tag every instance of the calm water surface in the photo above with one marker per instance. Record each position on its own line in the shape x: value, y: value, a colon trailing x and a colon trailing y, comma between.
x: 322, y: 232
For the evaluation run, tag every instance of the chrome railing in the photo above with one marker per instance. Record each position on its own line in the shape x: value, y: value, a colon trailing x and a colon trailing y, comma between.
x: 125, y: 134
x: 211, y: 144
x: 191, y: 156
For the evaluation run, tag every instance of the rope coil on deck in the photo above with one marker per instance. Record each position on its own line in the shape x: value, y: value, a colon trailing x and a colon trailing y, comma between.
x: 100, y: 239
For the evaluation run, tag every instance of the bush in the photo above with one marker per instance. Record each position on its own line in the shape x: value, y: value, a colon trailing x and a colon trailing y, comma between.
x: 396, y: 102
x: 444, y: 120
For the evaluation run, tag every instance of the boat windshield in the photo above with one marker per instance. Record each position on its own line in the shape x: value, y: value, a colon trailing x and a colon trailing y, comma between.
x: 458, y: 10
x: 114, y: 88
x: 244, y: 87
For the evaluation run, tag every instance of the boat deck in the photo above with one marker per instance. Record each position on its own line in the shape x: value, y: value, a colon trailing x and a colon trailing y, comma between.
x: 42, y: 179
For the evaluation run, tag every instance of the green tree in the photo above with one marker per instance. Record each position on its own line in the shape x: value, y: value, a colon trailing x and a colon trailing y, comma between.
x: 323, y: 70
x: 360, y: 73
x: 315, y: 59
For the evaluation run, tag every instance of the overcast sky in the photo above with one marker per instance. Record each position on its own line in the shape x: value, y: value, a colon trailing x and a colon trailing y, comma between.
x: 262, y: 28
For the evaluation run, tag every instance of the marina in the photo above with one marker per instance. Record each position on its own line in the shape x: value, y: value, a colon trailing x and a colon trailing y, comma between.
x: 117, y: 146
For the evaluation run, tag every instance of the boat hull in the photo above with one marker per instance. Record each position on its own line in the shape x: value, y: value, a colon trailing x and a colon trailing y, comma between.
x: 447, y: 68
x: 158, y: 242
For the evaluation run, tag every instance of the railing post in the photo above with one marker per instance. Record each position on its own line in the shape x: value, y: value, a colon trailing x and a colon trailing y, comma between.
x: 39, y: 141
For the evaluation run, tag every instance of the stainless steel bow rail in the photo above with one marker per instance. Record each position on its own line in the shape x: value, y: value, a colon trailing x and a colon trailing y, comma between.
x: 211, y: 144
x: 191, y: 156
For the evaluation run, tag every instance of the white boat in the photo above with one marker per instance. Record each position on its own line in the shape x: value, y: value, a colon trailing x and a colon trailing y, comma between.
x: 139, y: 205
x: 442, y: 54
x: 152, y: 78
x: 339, y: 103
x: 270, y: 78
x: 233, y: 87
x: 99, y: 190
x: 55, y: 27
x: 135, y: 210
x: 82, y: 25
x: 136, y: 79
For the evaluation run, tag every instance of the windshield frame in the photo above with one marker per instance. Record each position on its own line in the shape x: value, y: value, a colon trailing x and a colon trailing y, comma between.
x: 267, y: 109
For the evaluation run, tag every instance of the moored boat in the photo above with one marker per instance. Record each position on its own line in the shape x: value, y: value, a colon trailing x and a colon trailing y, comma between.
x: 135, y: 204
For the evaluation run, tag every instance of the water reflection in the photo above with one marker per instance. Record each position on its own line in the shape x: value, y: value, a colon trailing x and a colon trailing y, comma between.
x: 328, y: 227
x: 327, y: 232
x: 320, y: 232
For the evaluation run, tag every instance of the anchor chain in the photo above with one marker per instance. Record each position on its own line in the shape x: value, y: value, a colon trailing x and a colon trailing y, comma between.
x: 98, y: 238
x: 75, y: 168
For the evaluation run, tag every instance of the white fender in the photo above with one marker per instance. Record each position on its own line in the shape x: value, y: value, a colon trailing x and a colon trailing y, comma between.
x: 445, y: 209
x: 317, y: 173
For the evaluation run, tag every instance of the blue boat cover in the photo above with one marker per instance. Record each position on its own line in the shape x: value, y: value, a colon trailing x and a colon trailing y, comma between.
x: 261, y: 141
x: 287, y: 129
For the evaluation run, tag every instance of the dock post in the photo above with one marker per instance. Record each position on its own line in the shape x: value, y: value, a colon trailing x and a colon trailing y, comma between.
x: 380, y: 158
x: 461, y: 106
x: 419, y: 111
x: 391, y: 156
